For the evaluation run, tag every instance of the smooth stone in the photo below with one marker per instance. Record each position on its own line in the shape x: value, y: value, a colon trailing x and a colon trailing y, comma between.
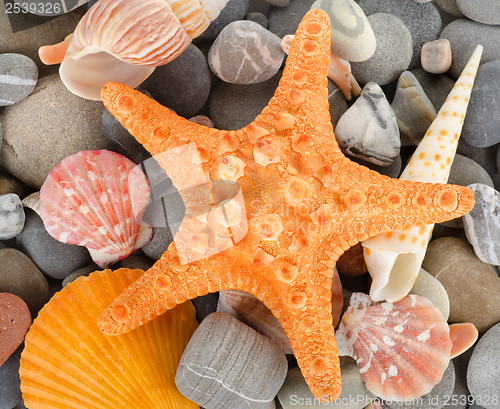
x: 392, y: 55
x: 202, y: 120
x: 19, y: 276
x: 436, y: 87
x: 10, y: 382
x: 352, y: 262
x: 278, y: 3
x: 450, y: 7
x: 368, y: 130
x: 52, y: 257
x: 352, y: 37
x: 464, y: 35
x: 15, y: 321
x: 224, y: 351
x: 393, y: 170
x: 205, y: 305
x: 183, y: 84
x: 296, y: 394
x: 245, y: 53
x: 285, y: 20
x: 461, y: 396
x: 429, y: 287
x: 50, y: 7
x: 20, y: 405
x: 422, y: 19
x: 473, y: 286
x: 257, y: 17
x: 234, y: 10
x: 9, y: 184
x: 482, y: 223
x: 485, y: 157
x: 436, y: 398
x: 53, y: 120
x: 481, y: 123
x: 11, y: 216
x: 483, y: 372
x: 337, y: 103
x: 413, y: 109
x: 436, y: 56
x: 482, y: 11
x: 81, y: 272
x: 137, y: 262
x: 18, y: 77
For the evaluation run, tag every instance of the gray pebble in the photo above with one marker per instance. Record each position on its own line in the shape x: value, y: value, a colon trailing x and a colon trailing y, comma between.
x: 19, y: 276
x: 10, y: 382
x: 183, y: 84
x: 278, y: 3
x: 18, y: 77
x: 450, y: 7
x: 464, y: 35
x: 482, y: 11
x: 56, y: 259
x: 228, y: 364
x: 337, y: 103
x: 393, y: 170
x: 285, y: 20
x: 81, y: 272
x: 392, y: 55
x: 483, y: 372
x: 422, y: 19
x: 258, y: 18
x: 137, y: 262
x: 481, y: 125
x: 11, y: 216
x: 205, y: 305
x: 486, y: 157
x: 436, y: 87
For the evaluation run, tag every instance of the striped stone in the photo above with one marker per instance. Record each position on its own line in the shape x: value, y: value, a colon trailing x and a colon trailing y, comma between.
x: 18, y: 77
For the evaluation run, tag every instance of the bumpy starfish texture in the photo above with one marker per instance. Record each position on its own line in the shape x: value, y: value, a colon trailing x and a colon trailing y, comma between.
x: 306, y: 204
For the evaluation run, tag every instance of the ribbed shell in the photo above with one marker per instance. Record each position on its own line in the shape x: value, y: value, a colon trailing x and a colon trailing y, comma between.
x: 402, y: 349
x: 68, y: 362
x: 96, y: 199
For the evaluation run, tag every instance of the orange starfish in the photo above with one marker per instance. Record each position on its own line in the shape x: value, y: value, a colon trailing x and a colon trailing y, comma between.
x: 306, y: 204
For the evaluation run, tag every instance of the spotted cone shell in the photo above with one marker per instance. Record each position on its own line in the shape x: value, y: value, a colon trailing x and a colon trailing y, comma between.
x: 96, y: 199
x: 402, y: 349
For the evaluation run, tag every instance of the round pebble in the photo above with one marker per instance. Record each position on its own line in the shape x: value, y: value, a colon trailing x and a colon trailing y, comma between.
x: 10, y: 382
x: 436, y: 56
x: 482, y: 11
x: 278, y: 3
x: 449, y: 6
x: 19, y: 276
x: 480, y: 127
x: 392, y: 55
x: 11, y: 216
x: 205, y: 305
x: 352, y: 37
x: 137, y: 262
x: 9, y: 184
x: 183, y: 84
x: 18, y: 77
x: 258, y: 18
x: 245, y: 53
x: 473, y: 287
x: 81, y: 272
x: 464, y: 35
x: 422, y: 20
x: 436, y: 87
x: 429, y: 287
x: 55, y: 259
x: 53, y: 120
x: 15, y: 321
x: 285, y: 20
x: 483, y: 372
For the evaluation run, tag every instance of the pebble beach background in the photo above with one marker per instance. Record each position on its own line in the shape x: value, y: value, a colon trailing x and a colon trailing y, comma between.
x: 41, y: 123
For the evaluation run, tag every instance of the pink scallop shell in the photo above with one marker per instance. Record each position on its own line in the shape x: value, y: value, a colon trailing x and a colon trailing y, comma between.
x: 402, y: 348
x: 96, y: 199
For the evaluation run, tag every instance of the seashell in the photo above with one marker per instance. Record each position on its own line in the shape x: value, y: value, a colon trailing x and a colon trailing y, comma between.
x: 124, y: 40
x: 402, y: 349
x: 254, y: 313
x: 32, y: 202
x: 96, y: 199
x: 68, y: 362
x: 463, y: 336
x: 394, y: 258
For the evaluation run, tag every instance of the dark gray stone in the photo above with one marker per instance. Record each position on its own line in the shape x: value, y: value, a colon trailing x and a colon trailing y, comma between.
x: 10, y: 382
x: 392, y: 55
x: 482, y: 11
x: 337, y: 103
x: 205, y: 305
x: 11, y: 216
x: 436, y: 87
x: 18, y: 77
x: 137, y: 262
x: 450, y: 7
x: 81, y: 272
x: 485, y: 157
x: 422, y: 19
x: 56, y: 259
x: 183, y: 84
x: 258, y: 18
x: 228, y: 364
x: 464, y: 35
x: 285, y: 20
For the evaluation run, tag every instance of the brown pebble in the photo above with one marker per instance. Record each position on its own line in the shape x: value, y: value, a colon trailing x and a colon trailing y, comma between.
x: 15, y: 321
x: 202, y: 120
x: 352, y: 262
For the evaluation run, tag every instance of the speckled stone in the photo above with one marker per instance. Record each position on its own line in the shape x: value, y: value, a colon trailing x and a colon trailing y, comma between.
x: 482, y: 11
x: 10, y: 382
x: 245, y: 53
x: 352, y: 37
x: 392, y: 55
x: 483, y: 372
x: 473, y: 286
x: 449, y: 6
x: 422, y: 19
x: 413, y: 109
x: 18, y: 77
x: 481, y: 126
x: 285, y: 20
x: 183, y: 84
x: 436, y: 56
x: 429, y: 287
x: 11, y: 216
x: 482, y: 223
x: 55, y: 259
x: 15, y: 321
x: 464, y: 35
x: 54, y: 121
x: 436, y: 87
x: 223, y: 351
x: 19, y: 276
x: 368, y: 130
x: 296, y: 394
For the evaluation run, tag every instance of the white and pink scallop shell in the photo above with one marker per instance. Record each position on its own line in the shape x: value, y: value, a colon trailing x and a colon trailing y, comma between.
x: 96, y: 199
x: 402, y: 349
